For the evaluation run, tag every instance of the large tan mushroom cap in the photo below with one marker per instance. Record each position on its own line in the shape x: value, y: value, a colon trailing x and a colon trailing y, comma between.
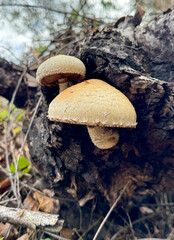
x: 61, y: 67
x: 93, y: 103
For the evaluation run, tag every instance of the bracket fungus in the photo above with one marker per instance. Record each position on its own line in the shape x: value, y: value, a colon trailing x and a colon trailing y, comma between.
x: 99, y: 106
x: 59, y: 70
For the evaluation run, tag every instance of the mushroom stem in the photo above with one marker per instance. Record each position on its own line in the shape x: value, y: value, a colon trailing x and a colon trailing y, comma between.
x: 103, y: 137
x: 63, y: 84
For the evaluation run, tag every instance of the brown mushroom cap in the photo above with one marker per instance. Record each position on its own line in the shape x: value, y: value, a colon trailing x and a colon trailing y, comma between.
x: 93, y: 103
x: 61, y: 67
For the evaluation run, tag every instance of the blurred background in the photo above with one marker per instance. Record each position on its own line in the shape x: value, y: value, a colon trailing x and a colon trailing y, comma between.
x: 27, y: 27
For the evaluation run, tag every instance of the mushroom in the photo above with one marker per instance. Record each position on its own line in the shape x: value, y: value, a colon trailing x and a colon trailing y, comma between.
x: 99, y: 106
x: 59, y: 70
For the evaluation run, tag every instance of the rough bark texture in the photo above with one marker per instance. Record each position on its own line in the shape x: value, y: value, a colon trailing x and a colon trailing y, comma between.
x: 9, y: 77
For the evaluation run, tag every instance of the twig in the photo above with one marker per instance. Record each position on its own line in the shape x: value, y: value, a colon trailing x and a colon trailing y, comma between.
x: 91, y: 227
x: 8, y: 200
x: 131, y: 227
x: 55, y: 236
x: 7, y: 131
x: 16, y: 177
x: 7, y: 162
x: 151, y: 239
x: 48, y: 9
x: 16, y: 89
x: 30, y: 124
x: 171, y: 235
x: 30, y: 219
x: 114, y: 237
x: 111, y: 209
x: 36, y: 190
x: 8, y: 50
x: 72, y: 42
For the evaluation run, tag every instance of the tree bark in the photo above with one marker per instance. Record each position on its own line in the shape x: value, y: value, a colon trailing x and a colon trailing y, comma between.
x: 10, y: 74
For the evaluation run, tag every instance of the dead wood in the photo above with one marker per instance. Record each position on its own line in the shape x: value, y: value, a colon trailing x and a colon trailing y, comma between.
x: 9, y: 76
x: 31, y: 219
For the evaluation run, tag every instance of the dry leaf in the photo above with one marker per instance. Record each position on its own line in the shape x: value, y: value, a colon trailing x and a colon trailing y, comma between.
x: 48, y: 192
x: 67, y: 233
x: 56, y: 206
x: 146, y: 210
x: 156, y: 230
x: 4, y: 185
x: 4, y: 229
x: 45, y: 203
x: 2, y: 153
x: 31, y: 204
x: 24, y: 237
x: 35, y: 53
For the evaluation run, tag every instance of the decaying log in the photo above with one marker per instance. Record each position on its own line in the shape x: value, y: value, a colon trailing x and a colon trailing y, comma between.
x: 10, y: 73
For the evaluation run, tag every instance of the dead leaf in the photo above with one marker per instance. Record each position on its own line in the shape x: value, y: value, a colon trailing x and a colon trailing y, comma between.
x: 56, y: 206
x: 146, y: 210
x: 4, y: 185
x: 156, y: 230
x: 3, y: 228
x: 2, y: 154
x: 24, y: 237
x: 35, y: 53
x: 45, y: 203
x: 31, y: 204
x: 48, y: 192
x: 67, y: 233
x: 8, y: 229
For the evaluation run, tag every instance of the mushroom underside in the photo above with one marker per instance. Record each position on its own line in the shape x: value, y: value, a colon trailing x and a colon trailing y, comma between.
x: 53, y: 79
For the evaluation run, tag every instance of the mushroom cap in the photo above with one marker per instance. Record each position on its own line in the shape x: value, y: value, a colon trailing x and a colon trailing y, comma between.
x: 93, y: 103
x: 61, y: 67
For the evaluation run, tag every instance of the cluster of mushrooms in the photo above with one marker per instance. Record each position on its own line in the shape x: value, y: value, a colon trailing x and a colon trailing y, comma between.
x: 94, y: 103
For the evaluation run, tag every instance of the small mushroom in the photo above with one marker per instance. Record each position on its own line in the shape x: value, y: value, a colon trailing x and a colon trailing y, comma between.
x: 99, y: 106
x: 59, y: 70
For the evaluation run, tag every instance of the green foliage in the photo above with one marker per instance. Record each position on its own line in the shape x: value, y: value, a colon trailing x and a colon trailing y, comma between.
x: 3, y: 115
x: 74, y: 15
x: 13, y: 117
x: 44, y: 239
x: 41, y: 49
x: 108, y: 4
x: 16, y: 130
x: 14, y: 120
x: 23, y: 165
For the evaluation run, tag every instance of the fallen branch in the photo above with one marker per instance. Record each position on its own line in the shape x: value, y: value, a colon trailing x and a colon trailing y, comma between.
x: 31, y: 219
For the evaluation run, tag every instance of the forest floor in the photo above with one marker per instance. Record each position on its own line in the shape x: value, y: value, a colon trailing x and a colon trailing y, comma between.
x: 21, y: 186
